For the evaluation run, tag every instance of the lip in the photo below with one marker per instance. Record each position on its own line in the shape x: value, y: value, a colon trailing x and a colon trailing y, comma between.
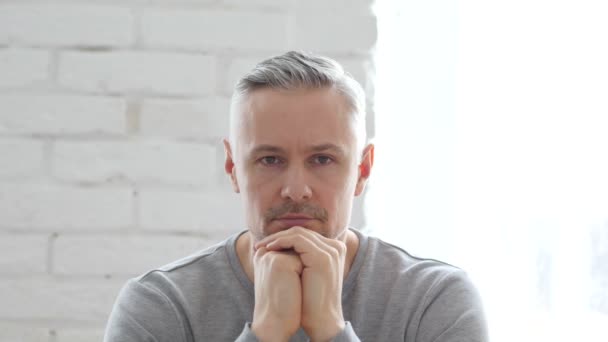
x: 295, y: 217
x: 294, y: 220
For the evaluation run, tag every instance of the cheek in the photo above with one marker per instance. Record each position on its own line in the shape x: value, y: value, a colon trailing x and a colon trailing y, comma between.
x: 337, y: 199
x: 341, y: 182
x: 261, y: 193
x: 258, y: 179
x: 340, y: 197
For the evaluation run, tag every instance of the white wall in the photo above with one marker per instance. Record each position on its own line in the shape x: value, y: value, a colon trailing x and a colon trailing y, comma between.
x: 111, y: 115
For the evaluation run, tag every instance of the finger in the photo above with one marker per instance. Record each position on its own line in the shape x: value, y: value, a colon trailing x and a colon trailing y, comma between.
x: 328, y: 244
x: 335, y: 248
x: 296, y: 242
x: 332, y: 246
x: 286, y: 232
x: 271, y: 238
x: 309, y: 251
x: 259, y: 252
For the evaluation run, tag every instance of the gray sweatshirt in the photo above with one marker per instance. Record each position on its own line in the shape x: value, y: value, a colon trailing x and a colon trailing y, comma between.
x: 388, y: 295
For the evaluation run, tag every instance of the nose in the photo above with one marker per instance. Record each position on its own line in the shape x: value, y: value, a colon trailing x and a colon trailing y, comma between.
x: 295, y: 186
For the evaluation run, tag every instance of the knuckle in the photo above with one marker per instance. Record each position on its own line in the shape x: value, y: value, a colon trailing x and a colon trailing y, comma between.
x: 341, y: 247
x: 334, y: 254
x: 327, y: 257
x: 338, y: 247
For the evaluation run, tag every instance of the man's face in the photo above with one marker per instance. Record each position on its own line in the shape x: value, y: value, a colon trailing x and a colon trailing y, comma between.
x: 296, y: 161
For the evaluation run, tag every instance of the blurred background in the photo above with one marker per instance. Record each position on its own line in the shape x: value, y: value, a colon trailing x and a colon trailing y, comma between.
x: 490, y: 120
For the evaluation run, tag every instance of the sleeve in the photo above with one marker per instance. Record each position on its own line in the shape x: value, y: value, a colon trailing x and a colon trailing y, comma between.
x: 454, y: 312
x: 247, y: 335
x: 142, y: 313
x: 346, y: 335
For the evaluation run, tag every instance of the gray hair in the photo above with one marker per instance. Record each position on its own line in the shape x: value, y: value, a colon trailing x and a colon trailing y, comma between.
x: 296, y: 70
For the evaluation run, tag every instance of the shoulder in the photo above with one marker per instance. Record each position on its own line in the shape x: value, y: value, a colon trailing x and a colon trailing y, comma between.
x: 193, y: 269
x: 441, y: 298
x: 164, y: 300
x: 385, y: 256
x: 422, y: 278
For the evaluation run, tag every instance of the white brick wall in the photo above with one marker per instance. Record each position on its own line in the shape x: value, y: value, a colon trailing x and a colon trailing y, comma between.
x: 11, y: 332
x: 195, y: 212
x: 61, y: 114
x: 152, y: 161
x: 113, y: 255
x: 334, y: 33
x: 23, y: 67
x: 23, y: 254
x: 111, y: 119
x: 21, y: 158
x: 167, y: 73
x: 264, y: 31
x: 78, y: 335
x: 53, y: 25
x: 185, y: 119
x: 57, y: 208
x: 87, y: 300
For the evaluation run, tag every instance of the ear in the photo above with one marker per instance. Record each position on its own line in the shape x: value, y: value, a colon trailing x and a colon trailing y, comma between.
x: 365, y: 168
x: 229, y: 167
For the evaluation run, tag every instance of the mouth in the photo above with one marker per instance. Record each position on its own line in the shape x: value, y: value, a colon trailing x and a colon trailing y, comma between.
x: 291, y: 220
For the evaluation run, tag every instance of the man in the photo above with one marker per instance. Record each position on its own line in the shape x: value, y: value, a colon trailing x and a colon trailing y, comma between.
x: 297, y: 155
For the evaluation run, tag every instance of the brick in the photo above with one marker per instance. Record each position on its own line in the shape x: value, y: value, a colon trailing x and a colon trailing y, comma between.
x: 214, y: 213
x: 160, y: 161
x: 20, y: 158
x: 344, y: 6
x: 23, y: 332
x: 79, y: 334
x: 197, y: 119
x: 261, y: 4
x: 78, y: 300
x: 222, y: 105
x: 204, y: 29
x: 62, y: 207
x: 22, y: 67
x: 120, y: 255
x: 237, y: 69
x: 23, y: 254
x: 173, y: 2
x: 137, y: 72
x: 61, y: 114
x: 60, y: 25
x: 346, y: 34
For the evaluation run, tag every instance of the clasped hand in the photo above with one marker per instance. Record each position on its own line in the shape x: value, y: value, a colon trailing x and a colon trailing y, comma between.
x: 298, y: 276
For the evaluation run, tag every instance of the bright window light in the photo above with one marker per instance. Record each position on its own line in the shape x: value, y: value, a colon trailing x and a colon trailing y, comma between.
x: 491, y: 133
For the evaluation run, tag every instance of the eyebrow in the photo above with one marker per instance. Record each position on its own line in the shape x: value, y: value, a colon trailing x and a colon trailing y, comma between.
x: 326, y: 147
x: 265, y: 148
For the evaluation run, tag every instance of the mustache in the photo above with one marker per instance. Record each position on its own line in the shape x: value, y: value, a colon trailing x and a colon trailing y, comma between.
x: 296, y: 208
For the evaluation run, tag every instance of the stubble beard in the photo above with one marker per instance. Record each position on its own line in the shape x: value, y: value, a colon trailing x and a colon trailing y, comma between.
x: 290, y: 207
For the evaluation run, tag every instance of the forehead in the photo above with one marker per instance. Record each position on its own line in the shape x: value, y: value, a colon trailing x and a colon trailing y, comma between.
x: 296, y: 119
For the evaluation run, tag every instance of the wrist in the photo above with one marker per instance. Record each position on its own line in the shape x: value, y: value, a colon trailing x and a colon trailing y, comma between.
x: 269, y: 332
x: 330, y: 331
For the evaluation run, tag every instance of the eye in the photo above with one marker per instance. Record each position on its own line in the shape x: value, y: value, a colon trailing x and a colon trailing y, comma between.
x: 322, y: 160
x: 269, y: 160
